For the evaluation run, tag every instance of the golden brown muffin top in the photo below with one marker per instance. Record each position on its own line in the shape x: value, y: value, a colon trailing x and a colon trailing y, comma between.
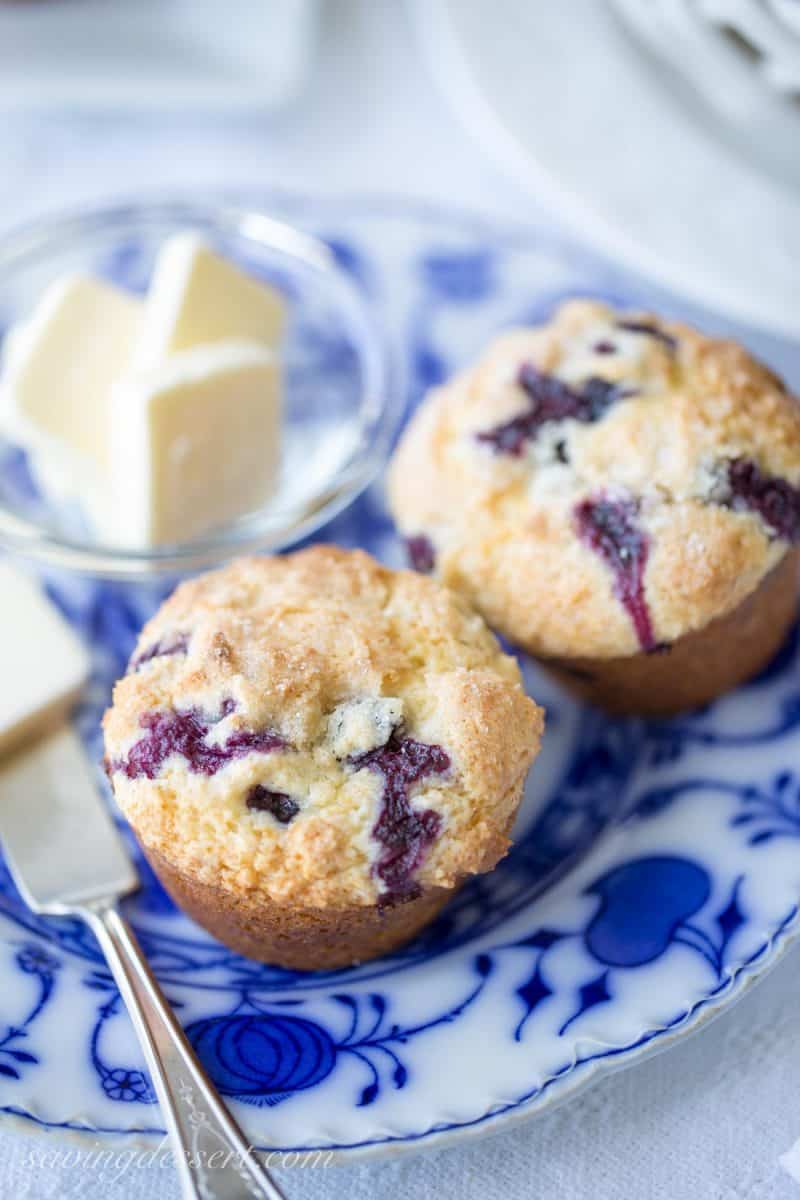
x: 322, y: 729
x: 603, y: 484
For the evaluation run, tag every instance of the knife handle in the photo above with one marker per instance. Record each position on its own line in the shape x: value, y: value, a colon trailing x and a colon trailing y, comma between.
x: 212, y: 1156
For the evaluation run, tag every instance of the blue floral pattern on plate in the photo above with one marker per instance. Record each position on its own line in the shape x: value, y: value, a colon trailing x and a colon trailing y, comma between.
x: 656, y: 867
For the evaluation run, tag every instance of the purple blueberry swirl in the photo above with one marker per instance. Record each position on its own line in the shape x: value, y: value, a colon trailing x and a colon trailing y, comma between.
x: 405, y: 833
x: 773, y: 499
x: 184, y: 732
x: 610, y: 528
x: 165, y: 647
x: 551, y: 400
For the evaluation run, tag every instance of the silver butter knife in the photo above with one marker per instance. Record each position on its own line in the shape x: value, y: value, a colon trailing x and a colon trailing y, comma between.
x: 67, y: 859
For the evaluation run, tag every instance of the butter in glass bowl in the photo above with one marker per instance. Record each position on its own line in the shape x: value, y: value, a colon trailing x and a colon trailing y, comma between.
x: 180, y: 382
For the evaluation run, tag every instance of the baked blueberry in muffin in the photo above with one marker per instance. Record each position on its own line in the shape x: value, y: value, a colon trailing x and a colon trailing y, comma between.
x: 619, y: 496
x: 315, y: 751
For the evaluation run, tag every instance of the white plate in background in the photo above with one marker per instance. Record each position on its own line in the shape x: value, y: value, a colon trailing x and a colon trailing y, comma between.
x: 567, y: 99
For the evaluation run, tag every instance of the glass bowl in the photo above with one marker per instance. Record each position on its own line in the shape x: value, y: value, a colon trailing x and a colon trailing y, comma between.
x: 340, y: 409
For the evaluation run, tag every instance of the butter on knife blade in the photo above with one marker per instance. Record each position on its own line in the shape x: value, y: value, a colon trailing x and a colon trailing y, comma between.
x: 43, y: 665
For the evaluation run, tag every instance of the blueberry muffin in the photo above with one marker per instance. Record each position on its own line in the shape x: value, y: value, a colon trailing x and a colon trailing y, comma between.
x: 618, y: 495
x: 315, y: 751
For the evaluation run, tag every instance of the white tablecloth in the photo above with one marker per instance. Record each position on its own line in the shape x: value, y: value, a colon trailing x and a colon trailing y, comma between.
x: 707, y: 1121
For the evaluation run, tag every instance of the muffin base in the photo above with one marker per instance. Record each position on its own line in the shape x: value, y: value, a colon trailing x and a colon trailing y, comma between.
x: 697, y: 668
x: 302, y: 939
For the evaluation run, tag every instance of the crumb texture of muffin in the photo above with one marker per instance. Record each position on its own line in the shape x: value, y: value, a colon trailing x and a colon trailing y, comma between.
x: 604, y: 485
x: 318, y: 734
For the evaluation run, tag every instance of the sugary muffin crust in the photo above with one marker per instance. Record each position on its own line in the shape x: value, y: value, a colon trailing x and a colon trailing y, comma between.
x: 320, y: 731
x: 603, y: 485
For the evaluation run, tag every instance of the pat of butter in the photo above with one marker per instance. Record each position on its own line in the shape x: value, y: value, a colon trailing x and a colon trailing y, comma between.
x: 43, y: 665
x: 162, y: 416
x: 194, y: 443
x: 197, y: 298
x: 63, y: 363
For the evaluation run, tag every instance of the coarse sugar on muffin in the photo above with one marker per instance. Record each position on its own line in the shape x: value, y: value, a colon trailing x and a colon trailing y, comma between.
x: 315, y: 751
x: 619, y: 495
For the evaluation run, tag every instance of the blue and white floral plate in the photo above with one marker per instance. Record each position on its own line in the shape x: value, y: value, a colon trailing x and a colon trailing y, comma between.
x: 656, y: 870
